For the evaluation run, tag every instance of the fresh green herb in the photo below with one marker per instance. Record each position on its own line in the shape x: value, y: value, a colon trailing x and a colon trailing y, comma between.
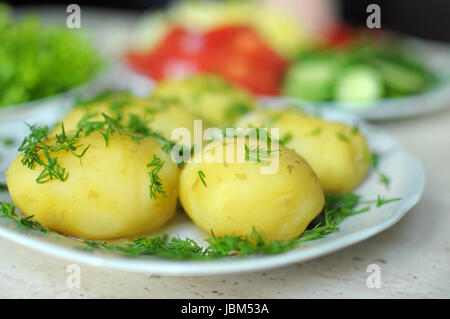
x: 384, y: 180
x: 316, y: 131
x: 272, y: 120
x: 136, y: 128
x: 8, y: 210
x: 336, y: 209
x: 258, y: 154
x: 380, y: 201
x: 286, y: 138
x: 355, y: 129
x: 374, y: 160
x: 343, y: 137
x: 3, y: 187
x: 37, y: 153
x: 38, y: 60
x: 6, y: 141
x: 202, y: 177
x: 236, y: 110
x: 158, y: 246
x: 245, y: 246
x: 155, y: 181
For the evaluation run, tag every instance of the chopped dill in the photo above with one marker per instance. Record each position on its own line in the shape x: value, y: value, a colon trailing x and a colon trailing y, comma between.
x: 384, y: 180
x: 374, y: 160
x: 202, y: 177
x: 37, y: 153
x: 235, y: 110
x: 8, y: 210
x: 380, y: 201
x: 6, y: 141
x: 258, y: 154
x: 285, y: 139
x: 315, y: 132
x: 155, y: 181
x: 136, y: 128
x: 337, y: 208
x: 343, y: 137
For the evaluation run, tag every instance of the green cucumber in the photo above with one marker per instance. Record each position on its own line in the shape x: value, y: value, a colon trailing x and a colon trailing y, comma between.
x: 311, y: 80
x: 359, y: 83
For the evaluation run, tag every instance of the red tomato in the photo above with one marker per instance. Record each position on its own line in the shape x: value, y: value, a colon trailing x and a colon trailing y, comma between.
x: 235, y: 52
x: 240, y: 55
x: 177, y: 55
x: 338, y: 36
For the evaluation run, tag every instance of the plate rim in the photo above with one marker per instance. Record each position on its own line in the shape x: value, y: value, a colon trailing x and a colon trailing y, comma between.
x: 164, y: 267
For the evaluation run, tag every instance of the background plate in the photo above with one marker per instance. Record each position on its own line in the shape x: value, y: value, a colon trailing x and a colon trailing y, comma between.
x: 435, y: 55
x: 404, y: 170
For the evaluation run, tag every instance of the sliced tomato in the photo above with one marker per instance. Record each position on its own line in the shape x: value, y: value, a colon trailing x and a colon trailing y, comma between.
x: 236, y: 52
x: 178, y: 54
x: 241, y: 56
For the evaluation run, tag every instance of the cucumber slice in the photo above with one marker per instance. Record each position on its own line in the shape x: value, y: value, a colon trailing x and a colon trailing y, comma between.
x: 359, y: 84
x: 311, y: 80
x: 401, y: 78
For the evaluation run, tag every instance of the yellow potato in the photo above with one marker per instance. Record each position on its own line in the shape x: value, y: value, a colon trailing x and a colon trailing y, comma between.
x: 162, y: 115
x: 105, y: 196
x: 238, y: 197
x: 208, y: 97
x: 338, y: 154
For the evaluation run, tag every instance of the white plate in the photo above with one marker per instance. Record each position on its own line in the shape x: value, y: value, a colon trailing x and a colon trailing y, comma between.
x: 52, y: 108
x: 407, y: 181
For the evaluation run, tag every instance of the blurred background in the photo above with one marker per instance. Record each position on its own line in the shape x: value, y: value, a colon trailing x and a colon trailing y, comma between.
x: 316, y: 51
x: 427, y: 19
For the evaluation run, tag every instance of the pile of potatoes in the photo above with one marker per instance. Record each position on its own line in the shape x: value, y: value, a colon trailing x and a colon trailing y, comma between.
x: 106, y: 194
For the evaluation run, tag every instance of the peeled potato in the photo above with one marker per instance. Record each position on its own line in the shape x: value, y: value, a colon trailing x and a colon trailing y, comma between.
x: 238, y: 197
x: 338, y: 154
x: 105, y: 196
x: 162, y: 115
x: 208, y: 97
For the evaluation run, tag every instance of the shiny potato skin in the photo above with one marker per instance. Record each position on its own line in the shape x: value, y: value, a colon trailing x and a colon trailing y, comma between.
x: 238, y: 197
x: 105, y: 196
x: 162, y: 115
x: 338, y: 154
x: 208, y: 97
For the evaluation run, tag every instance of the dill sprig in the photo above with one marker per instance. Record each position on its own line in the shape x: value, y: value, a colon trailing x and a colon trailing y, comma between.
x: 159, y: 246
x: 343, y: 137
x: 201, y: 174
x: 37, y: 153
x: 373, y: 161
x: 258, y: 154
x: 155, y: 181
x: 380, y: 201
x: 337, y: 208
x: 136, y: 128
x: 285, y: 139
x: 8, y: 210
x: 6, y: 141
x: 246, y: 245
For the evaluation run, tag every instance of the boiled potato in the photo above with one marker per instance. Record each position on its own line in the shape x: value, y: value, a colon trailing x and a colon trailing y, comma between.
x: 238, y: 196
x: 208, y: 97
x: 162, y: 115
x: 337, y: 153
x: 106, y: 194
